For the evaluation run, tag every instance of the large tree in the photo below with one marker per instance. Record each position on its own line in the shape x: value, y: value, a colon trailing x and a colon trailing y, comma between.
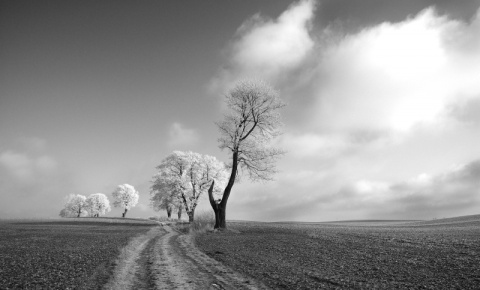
x: 247, y: 129
x: 187, y: 175
x: 125, y: 196
x: 97, y: 204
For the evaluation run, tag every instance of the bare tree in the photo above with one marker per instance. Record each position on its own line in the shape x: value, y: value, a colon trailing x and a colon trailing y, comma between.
x: 246, y: 132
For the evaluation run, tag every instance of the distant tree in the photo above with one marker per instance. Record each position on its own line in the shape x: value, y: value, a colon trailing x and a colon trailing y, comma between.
x: 163, y: 198
x: 186, y: 175
x: 247, y: 130
x: 97, y: 204
x: 125, y: 196
x: 64, y: 213
x: 75, y: 205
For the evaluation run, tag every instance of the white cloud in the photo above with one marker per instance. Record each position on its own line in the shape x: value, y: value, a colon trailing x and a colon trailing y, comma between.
x: 17, y: 164
x: 360, y: 102
x: 181, y: 136
x: 31, y: 184
x: 269, y: 48
x: 310, y: 144
x: 26, y: 169
x: 393, y: 76
x: 397, y: 75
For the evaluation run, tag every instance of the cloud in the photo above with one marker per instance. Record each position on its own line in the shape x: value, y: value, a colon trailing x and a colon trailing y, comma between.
x: 332, y: 145
x: 397, y: 75
x: 31, y: 184
x: 323, y: 195
x: 389, y: 77
x: 181, y: 136
x: 466, y: 112
x: 268, y: 48
x: 361, y: 102
x: 26, y: 169
x: 453, y: 192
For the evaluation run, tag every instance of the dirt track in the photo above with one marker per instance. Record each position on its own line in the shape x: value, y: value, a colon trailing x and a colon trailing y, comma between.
x: 165, y: 259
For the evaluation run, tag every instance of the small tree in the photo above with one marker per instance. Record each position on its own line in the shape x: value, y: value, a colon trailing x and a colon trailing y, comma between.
x: 125, y: 196
x: 75, y: 205
x: 246, y: 132
x: 186, y: 175
x: 97, y: 204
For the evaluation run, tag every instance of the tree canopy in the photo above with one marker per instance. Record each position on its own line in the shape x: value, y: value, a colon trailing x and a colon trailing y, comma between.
x: 185, y: 176
x: 125, y: 196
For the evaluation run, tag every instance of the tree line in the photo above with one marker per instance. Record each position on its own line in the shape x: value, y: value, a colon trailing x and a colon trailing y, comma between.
x: 249, y: 125
x: 76, y: 205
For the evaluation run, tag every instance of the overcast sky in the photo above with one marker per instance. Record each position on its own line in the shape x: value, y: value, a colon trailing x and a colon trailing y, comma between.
x: 382, y: 122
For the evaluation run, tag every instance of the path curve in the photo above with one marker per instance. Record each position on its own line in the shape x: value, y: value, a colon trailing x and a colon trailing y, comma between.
x: 165, y: 259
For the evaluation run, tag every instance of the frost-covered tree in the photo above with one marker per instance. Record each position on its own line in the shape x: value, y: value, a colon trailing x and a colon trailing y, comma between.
x: 252, y: 121
x: 64, y: 213
x: 163, y: 198
x: 186, y: 176
x: 75, y: 205
x: 97, y: 204
x: 125, y: 196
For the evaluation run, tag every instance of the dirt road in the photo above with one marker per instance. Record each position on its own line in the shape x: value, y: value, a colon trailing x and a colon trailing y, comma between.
x: 165, y: 259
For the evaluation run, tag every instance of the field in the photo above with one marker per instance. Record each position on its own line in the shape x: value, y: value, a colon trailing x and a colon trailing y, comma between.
x: 92, y: 253
x: 62, y: 254
x: 439, y: 254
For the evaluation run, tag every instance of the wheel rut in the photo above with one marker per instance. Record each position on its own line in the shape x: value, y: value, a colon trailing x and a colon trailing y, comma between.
x: 165, y: 259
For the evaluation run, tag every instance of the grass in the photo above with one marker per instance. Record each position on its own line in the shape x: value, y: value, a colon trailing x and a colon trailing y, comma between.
x: 63, y: 253
x: 203, y: 222
x: 429, y: 255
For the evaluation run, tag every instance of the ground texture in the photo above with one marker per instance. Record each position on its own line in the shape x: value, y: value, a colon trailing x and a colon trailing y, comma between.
x: 61, y: 254
x: 166, y: 259
x: 83, y: 254
x: 442, y: 254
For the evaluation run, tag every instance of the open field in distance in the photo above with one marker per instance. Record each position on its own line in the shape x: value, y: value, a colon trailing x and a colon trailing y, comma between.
x: 64, y: 253
x: 437, y: 254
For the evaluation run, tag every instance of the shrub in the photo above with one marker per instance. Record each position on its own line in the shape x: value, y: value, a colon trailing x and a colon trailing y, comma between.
x: 204, y: 221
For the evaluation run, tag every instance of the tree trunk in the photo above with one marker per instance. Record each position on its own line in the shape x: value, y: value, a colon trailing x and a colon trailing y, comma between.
x: 214, y: 205
x: 222, y: 213
x: 169, y: 211
x: 191, y: 214
x: 222, y: 206
x: 179, y: 213
x: 124, y: 213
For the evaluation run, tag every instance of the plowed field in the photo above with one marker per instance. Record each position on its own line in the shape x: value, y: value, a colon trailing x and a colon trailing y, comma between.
x: 441, y: 254
x: 63, y: 254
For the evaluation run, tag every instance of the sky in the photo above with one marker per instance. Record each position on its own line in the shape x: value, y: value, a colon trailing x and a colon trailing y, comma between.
x: 382, y: 121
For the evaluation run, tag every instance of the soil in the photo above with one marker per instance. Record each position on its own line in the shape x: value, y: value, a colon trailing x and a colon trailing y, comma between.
x: 61, y: 254
x: 170, y: 260
x: 419, y: 255
x: 441, y: 254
